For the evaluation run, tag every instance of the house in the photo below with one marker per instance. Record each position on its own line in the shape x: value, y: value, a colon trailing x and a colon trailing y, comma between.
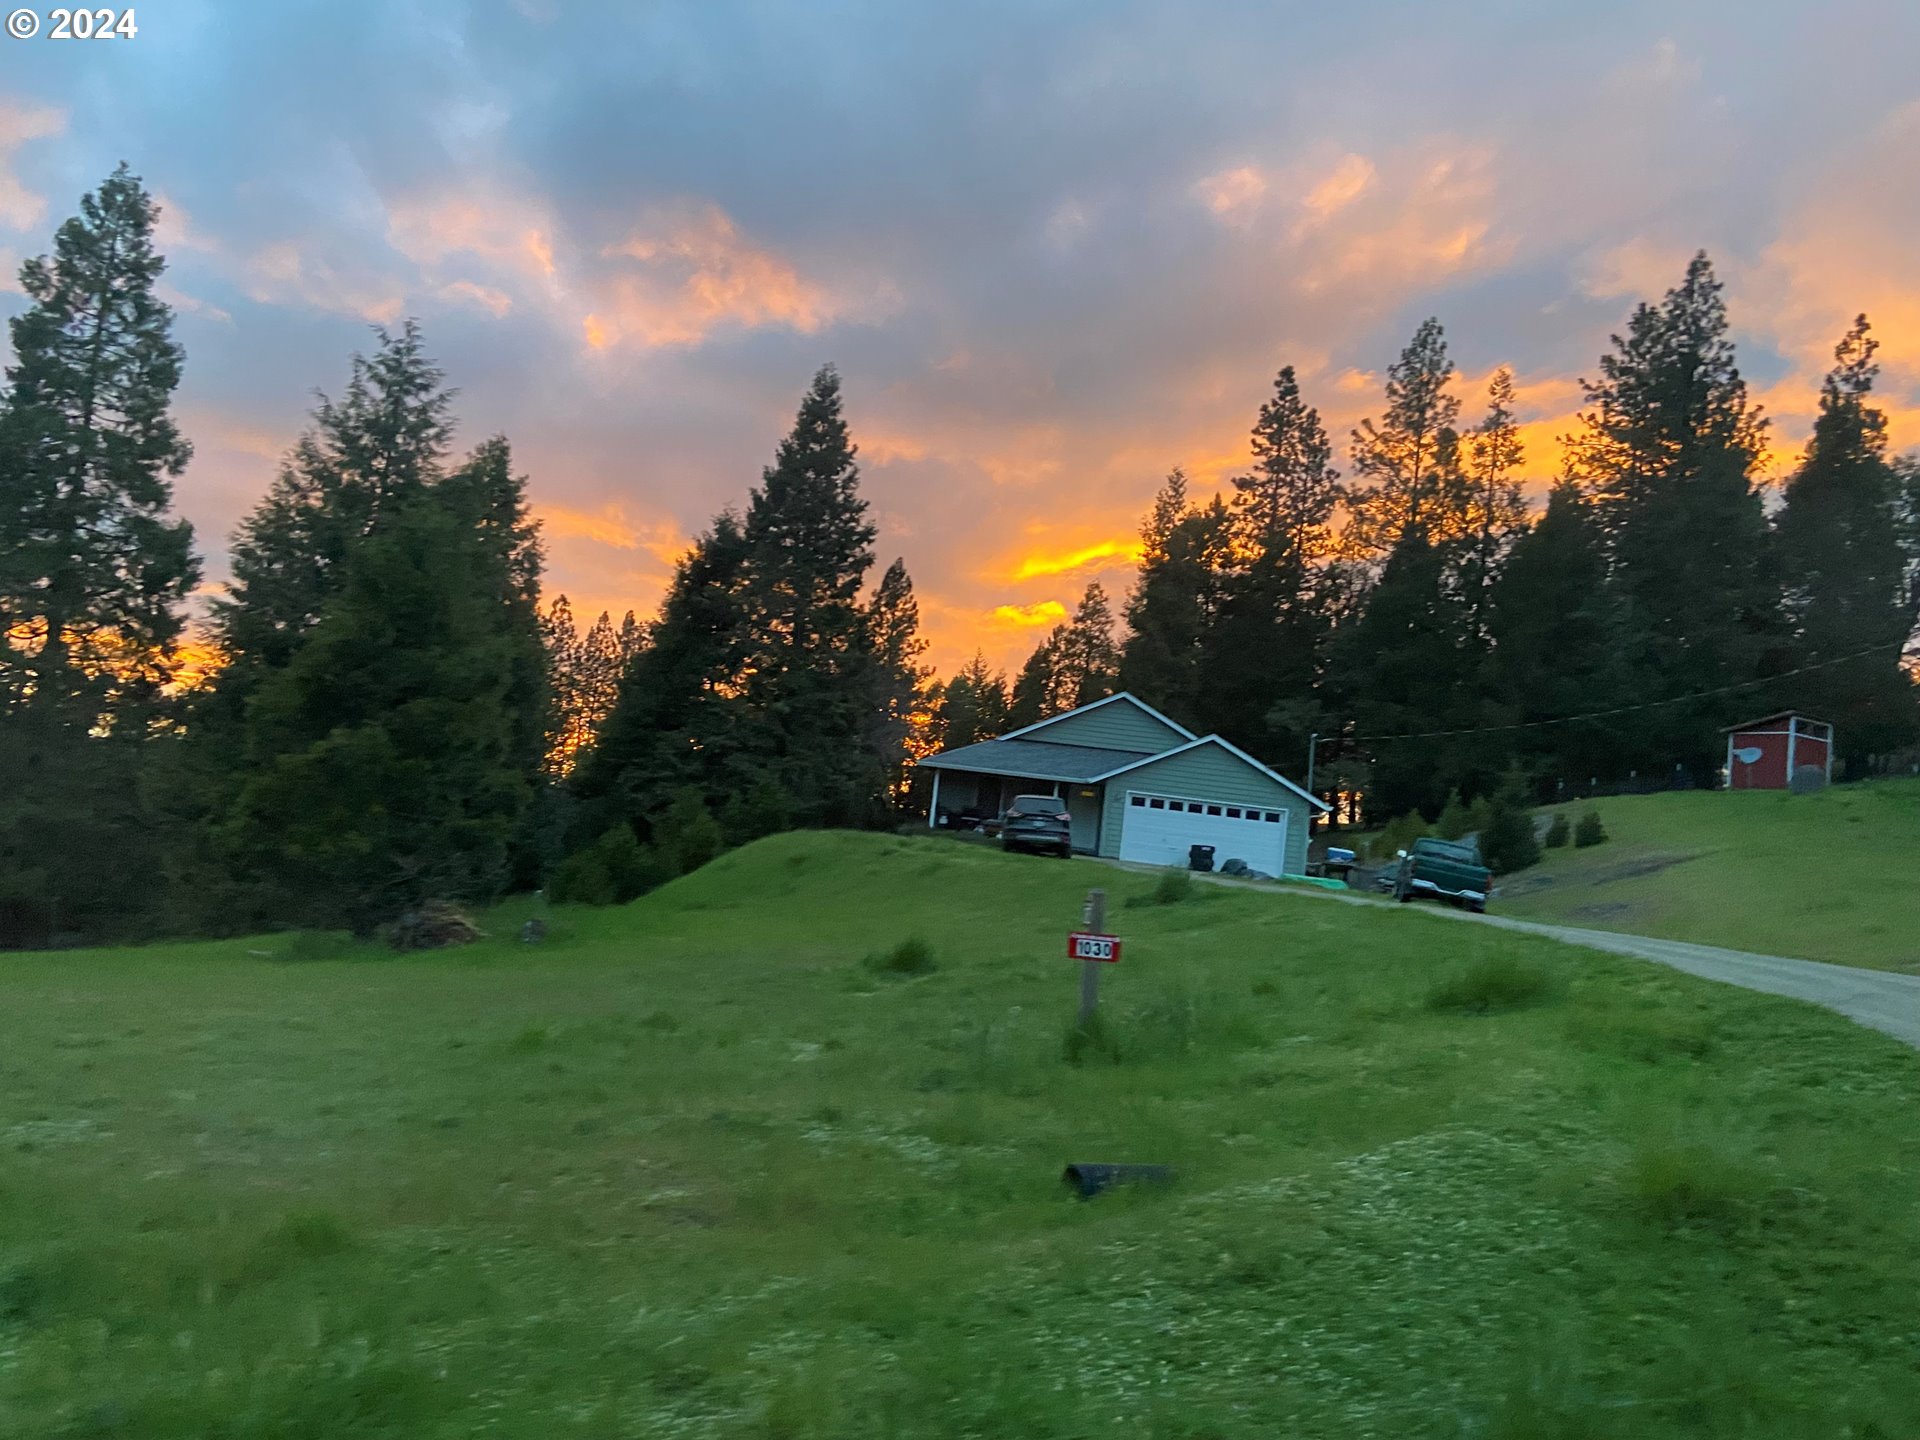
x: 1137, y: 786
x: 1764, y: 754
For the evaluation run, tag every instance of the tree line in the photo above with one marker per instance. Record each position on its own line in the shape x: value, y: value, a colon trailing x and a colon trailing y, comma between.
x: 1438, y: 640
x: 383, y: 707
x: 390, y: 712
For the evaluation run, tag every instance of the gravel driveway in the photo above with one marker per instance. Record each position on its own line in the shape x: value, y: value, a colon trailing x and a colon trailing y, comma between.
x: 1874, y: 998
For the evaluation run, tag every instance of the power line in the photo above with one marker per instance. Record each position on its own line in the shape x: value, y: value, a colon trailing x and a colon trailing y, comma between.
x: 1629, y: 709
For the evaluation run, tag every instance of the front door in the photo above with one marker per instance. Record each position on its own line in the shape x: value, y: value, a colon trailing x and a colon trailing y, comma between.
x: 1083, y: 811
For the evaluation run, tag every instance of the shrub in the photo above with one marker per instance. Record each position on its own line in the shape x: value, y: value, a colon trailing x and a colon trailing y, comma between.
x: 1091, y: 1041
x: 1455, y: 818
x: 1172, y: 887
x: 909, y: 957
x: 1492, y: 985
x: 1397, y: 836
x: 612, y: 870
x: 766, y: 809
x: 581, y: 879
x: 1688, y: 1185
x: 1589, y: 831
x: 687, y: 835
x: 1558, y: 833
x: 1506, y: 841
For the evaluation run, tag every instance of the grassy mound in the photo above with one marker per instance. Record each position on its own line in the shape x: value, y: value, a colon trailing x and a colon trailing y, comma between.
x: 1833, y: 876
x: 693, y: 1167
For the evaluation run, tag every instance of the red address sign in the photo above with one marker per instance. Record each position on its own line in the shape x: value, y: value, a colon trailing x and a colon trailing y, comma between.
x: 1082, y: 945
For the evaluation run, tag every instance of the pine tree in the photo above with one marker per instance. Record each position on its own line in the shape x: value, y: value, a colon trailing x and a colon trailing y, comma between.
x: 1397, y: 675
x: 1262, y: 653
x: 1496, y: 504
x: 1410, y: 462
x: 93, y: 574
x: 970, y: 707
x: 1838, y: 540
x: 808, y: 650
x: 1666, y: 453
x: 381, y: 763
x: 560, y: 637
x: 898, y: 715
x: 1185, y: 554
x: 1036, y: 688
x: 1553, y: 625
x: 1086, y: 658
x: 681, y: 703
x: 381, y: 445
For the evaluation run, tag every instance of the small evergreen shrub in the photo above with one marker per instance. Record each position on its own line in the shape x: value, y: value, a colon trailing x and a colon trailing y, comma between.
x: 614, y: 869
x: 687, y: 835
x: 910, y: 957
x: 1558, y: 834
x: 1173, y: 887
x: 1455, y: 818
x: 1397, y: 836
x: 1493, y: 985
x: 1589, y: 831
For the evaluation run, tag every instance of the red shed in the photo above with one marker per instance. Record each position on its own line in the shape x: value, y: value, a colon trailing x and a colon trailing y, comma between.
x: 1763, y: 754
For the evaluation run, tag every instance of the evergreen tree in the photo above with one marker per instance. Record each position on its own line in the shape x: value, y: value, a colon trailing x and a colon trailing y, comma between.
x: 1175, y: 598
x: 1036, y: 688
x: 1262, y: 654
x: 898, y: 716
x: 1838, y: 540
x: 1666, y: 453
x: 1398, y: 675
x: 679, y: 713
x: 560, y: 637
x: 1496, y: 505
x: 1552, y: 622
x: 375, y: 449
x: 93, y: 573
x: 809, y: 656
x: 381, y: 763
x: 1086, y: 660
x: 970, y: 707
x: 1409, y: 463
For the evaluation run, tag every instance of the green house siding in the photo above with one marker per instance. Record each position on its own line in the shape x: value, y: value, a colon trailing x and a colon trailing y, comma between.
x: 1207, y: 773
x: 1119, y: 726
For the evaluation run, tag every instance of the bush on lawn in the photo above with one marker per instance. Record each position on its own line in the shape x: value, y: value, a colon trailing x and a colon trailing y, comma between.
x: 1455, y: 819
x: 614, y: 869
x: 1507, y: 843
x: 1397, y: 836
x: 1492, y: 985
x: 910, y: 957
x: 1589, y: 831
x: 1171, y: 888
x: 1690, y: 1186
x: 688, y: 836
x: 1558, y: 834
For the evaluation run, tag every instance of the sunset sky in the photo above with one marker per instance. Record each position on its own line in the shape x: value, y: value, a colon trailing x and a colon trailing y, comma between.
x: 1054, y: 248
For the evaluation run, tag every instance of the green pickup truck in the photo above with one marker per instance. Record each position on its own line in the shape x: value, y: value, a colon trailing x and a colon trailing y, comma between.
x: 1443, y: 870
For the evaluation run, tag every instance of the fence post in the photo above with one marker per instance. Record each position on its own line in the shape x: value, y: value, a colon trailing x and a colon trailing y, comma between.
x: 1094, y: 919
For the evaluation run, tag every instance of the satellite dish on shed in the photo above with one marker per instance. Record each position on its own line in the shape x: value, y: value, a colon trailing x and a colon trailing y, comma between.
x: 1747, y: 754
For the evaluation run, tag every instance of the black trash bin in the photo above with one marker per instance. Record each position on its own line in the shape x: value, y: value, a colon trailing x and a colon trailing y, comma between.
x: 1200, y: 857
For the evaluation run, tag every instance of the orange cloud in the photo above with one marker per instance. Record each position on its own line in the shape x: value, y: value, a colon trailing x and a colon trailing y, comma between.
x: 1344, y: 184
x: 1097, y: 556
x: 485, y: 296
x: 694, y: 273
x: 506, y: 231
x: 1029, y: 617
x: 611, y: 526
x: 283, y: 274
x: 1232, y: 192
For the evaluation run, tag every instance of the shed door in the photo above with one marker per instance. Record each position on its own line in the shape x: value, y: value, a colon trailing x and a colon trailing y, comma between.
x: 1158, y: 829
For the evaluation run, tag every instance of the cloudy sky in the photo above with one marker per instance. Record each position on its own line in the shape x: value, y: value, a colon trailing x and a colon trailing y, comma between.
x: 1055, y: 247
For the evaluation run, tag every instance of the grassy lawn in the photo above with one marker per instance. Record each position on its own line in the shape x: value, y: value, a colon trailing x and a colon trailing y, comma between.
x: 1833, y: 876
x: 692, y: 1168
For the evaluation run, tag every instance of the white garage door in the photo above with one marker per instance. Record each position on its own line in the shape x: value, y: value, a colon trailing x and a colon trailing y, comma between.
x: 1157, y: 829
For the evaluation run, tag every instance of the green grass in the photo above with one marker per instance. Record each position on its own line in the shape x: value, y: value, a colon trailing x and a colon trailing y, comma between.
x: 1833, y: 876
x: 692, y: 1168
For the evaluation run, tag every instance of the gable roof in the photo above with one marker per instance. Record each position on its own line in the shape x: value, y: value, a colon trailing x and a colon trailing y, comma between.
x: 1035, y: 759
x: 1231, y: 749
x: 1777, y: 715
x: 1125, y: 695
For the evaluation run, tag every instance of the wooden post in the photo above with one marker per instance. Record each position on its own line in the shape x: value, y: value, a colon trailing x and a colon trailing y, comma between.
x: 1094, y: 919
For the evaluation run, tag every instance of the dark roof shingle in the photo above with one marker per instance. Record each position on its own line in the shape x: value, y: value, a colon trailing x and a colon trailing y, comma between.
x: 1035, y: 759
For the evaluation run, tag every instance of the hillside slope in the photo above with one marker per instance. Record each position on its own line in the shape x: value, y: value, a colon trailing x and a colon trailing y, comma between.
x: 694, y: 1168
x: 1833, y: 876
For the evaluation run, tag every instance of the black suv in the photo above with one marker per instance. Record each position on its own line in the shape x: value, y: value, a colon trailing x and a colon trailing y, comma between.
x: 1037, y: 822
